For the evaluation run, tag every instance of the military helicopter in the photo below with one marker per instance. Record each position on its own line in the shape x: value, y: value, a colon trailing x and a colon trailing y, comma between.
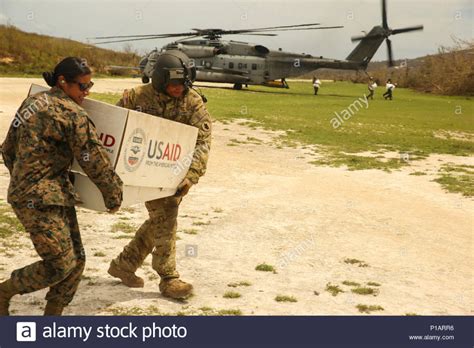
x: 242, y: 63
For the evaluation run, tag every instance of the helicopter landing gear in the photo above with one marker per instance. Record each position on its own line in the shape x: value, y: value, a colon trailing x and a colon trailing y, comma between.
x: 145, y: 79
x: 237, y: 86
x: 285, y: 84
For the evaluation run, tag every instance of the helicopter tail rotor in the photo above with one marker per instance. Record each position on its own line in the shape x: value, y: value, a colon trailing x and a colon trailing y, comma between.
x: 384, y: 32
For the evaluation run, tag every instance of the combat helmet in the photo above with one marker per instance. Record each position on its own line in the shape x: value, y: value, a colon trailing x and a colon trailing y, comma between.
x: 173, y: 65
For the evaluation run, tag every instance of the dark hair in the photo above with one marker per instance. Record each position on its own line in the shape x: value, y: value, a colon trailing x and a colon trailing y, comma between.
x: 70, y: 68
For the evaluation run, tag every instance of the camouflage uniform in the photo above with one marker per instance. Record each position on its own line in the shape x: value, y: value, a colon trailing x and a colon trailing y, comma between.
x: 157, y: 235
x: 48, y: 132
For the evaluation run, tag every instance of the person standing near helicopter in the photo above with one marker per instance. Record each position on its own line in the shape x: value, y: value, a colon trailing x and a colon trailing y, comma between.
x: 372, y: 85
x: 316, y: 85
x: 390, y: 87
x: 169, y: 96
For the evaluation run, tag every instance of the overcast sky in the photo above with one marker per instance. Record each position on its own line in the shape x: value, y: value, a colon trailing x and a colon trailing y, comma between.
x: 79, y: 20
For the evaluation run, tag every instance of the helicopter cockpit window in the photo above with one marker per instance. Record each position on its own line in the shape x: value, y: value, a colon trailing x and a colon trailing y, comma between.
x: 254, y: 66
x: 231, y: 65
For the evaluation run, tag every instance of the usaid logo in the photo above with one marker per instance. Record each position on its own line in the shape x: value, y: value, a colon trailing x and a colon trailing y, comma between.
x: 25, y: 331
x: 134, y: 150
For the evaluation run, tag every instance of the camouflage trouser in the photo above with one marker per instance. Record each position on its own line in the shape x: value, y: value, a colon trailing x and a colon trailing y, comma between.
x: 157, y: 235
x: 55, y: 235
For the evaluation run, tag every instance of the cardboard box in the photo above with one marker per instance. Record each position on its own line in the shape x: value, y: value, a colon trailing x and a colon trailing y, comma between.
x: 150, y: 154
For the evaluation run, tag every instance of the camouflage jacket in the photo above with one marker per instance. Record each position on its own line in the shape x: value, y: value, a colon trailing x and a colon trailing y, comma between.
x: 48, y: 132
x: 189, y: 109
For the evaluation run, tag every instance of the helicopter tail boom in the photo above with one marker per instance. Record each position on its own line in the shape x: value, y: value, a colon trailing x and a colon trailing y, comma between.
x: 367, y: 48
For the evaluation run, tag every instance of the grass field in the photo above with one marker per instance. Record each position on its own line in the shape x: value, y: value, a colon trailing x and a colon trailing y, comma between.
x: 413, y: 124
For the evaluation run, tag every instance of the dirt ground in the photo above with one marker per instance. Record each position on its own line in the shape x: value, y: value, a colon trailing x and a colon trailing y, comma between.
x: 262, y: 204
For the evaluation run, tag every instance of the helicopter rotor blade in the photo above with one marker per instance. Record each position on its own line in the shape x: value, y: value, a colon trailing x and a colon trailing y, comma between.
x: 129, y: 40
x: 384, y: 15
x: 390, y: 53
x: 257, y: 34
x: 203, y: 32
x: 393, y: 32
x: 286, y: 26
x: 140, y: 36
x: 211, y: 33
x: 317, y: 28
x: 407, y: 29
x: 187, y: 38
x: 258, y: 29
x: 253, y: 32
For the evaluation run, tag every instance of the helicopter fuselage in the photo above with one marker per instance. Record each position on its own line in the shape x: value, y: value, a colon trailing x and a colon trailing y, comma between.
x: 243, y: 63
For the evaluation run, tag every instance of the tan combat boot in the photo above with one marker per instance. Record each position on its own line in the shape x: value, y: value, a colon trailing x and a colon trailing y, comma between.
x: 7, y: 291
x: 127, y: 278
x: 175, y: 288
x: 53, y: 308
